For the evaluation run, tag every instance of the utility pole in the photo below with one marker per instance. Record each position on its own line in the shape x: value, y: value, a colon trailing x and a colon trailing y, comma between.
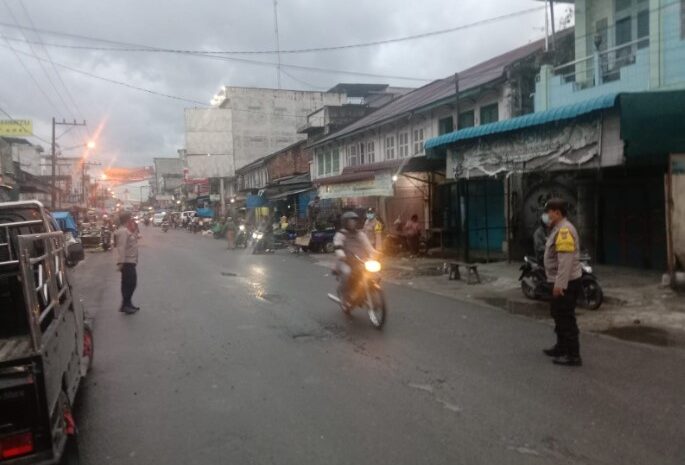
x: 53, y: 156
x: 84, y: 191
x: 278, y: 44
x: 551, y: 17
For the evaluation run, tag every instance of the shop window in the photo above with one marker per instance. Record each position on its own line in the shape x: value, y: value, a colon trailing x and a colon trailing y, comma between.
x: 370, y: 152
x: 467, y: 119
x: 403, y: 145
x: 489, y: 114
x: 445, y: 125
x: 390, y: 148
x: 418, y: 141
x: 643, y: 29
x: 319, y: 164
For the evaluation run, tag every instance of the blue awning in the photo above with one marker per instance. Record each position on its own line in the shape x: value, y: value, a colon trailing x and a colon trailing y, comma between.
x: 522, y: 122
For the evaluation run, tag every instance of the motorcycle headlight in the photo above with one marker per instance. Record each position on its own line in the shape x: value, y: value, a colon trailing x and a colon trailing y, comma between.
x: 587, y: 269
x: 254, y: 235
x: 260, y: 235
x: 241, y: 227
x: 372, y: 266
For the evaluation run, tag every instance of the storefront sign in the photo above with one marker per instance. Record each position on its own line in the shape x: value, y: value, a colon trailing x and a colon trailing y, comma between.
x: 381, y: 186
x: 214, y: 197
x: 16, y: 127
x: 566, y: 146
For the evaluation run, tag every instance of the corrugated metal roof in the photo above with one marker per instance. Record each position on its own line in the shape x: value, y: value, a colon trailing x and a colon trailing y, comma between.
x: 439, y: 90
x: 525, y: 121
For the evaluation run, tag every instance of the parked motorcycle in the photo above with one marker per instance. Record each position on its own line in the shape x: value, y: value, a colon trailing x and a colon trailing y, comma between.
x: 365, y: 291
x: 397, y: 244
x: 534, y: 283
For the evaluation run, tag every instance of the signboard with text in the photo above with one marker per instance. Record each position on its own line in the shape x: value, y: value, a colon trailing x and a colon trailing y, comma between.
x: 16, y: 127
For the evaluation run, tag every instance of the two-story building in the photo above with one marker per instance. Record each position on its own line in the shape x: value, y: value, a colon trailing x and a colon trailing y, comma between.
x: 604, y: 125
x: 379, y: 161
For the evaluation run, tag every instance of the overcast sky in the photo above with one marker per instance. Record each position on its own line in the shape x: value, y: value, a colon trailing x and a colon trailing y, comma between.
x: 137, y: 126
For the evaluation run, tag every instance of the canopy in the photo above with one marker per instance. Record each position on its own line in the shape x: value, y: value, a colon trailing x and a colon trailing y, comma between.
x: 205, y: 212
x: 66, y: 222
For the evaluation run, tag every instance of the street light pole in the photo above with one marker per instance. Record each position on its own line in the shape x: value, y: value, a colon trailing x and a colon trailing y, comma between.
x: 53, y: 156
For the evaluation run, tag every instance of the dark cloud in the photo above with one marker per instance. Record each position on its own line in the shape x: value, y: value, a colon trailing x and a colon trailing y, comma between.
x: 139, y: 126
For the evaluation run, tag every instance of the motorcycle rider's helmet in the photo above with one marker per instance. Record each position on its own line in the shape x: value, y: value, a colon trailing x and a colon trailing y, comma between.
x: 349, y: 220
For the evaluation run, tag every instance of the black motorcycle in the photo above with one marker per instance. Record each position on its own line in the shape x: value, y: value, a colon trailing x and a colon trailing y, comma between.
x: 397, y: 244
x: 165, y: 226
x: 534, y: 283
x: 364, y: 291
x: 106, y: 238
x: 241, y: 239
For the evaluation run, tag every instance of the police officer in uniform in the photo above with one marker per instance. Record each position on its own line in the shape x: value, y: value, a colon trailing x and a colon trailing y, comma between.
x: 563, y: 270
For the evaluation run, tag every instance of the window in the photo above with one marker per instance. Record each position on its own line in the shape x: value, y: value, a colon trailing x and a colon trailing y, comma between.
x: 403, y: 145
x: 489, y: 114
x: 466, y: 119
x: 319, y: 164
x: 643, y: 29
x: 362, y: 152
x: 370, y: 152
x: 445, y: 125
x: 335, y: 161
x: 418, y: 141
x: 352, y: 155
x: 327, y: 158
x: 390, y: 148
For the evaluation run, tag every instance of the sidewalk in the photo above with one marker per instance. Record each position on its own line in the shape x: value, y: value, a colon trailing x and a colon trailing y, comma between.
x: 636, y: 307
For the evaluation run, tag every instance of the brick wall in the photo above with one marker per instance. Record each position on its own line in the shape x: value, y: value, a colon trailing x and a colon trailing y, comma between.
x: 289, y: 162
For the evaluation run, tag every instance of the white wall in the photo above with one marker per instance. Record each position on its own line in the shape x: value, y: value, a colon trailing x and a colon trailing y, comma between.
x: 209, y: 142
x: 28, y: 156
x: 265, y: 120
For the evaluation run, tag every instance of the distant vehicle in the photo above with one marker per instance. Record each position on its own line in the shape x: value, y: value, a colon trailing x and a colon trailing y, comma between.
x: 186, y: 216
x: 46, y: 344
x: 158, y: 218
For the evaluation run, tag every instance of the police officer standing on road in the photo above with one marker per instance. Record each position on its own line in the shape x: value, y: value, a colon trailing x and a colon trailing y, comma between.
x: 126, y: 240
x: 563, y: 270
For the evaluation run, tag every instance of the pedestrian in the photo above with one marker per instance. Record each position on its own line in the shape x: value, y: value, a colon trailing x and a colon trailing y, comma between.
x: 540, y: 238
x: 230, y: 231
x: 373, y: 226
x: 563, y: 270
x: 127, y: 259
x: 313, y: 211
x: 412, y: 231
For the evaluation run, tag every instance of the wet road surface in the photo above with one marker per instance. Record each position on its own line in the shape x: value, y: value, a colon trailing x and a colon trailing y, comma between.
x: 241, y: 359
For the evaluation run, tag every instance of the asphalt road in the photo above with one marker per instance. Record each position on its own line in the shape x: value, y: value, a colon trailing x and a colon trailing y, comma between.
x: 241, y: 359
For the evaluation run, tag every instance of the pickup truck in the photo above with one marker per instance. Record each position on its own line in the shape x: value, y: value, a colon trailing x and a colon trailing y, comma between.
x: 46, y: 344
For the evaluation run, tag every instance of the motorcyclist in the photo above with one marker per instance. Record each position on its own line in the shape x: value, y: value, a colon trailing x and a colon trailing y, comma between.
x: 350, y: 242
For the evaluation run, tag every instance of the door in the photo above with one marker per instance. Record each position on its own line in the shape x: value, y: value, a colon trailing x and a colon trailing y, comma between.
x: 485, y: 216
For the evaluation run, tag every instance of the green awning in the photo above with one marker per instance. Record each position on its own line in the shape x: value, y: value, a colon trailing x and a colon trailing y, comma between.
x: 653, y: 123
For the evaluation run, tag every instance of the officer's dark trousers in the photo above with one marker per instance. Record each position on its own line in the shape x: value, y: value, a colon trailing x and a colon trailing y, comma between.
x: 563, y: 311
x: 129, y: 280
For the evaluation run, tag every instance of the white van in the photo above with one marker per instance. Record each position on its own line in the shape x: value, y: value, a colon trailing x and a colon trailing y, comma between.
x: 158, y: 218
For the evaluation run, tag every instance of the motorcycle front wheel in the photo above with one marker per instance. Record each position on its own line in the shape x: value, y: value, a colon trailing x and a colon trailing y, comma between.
x: 376, y: 306
x: 591, y: 295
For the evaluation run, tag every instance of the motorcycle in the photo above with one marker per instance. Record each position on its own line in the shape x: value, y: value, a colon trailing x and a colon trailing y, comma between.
x: 241, y: 238
x: 106, y: 235
x: 397, y: 244
x: 365, y: 291
x: 165, y: 226
x: 534, y: 283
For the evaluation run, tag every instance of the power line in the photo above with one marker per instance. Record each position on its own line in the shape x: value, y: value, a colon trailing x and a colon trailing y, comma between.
x: 59, y: 76
x: 124, y: 84
x: 45, y: 71
x: 277, y: 51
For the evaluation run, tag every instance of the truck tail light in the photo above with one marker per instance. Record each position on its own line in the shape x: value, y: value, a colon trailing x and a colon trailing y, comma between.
x: 16, y: 445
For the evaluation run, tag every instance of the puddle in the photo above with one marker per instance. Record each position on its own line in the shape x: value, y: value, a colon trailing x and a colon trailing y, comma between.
x: 644, y: 334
